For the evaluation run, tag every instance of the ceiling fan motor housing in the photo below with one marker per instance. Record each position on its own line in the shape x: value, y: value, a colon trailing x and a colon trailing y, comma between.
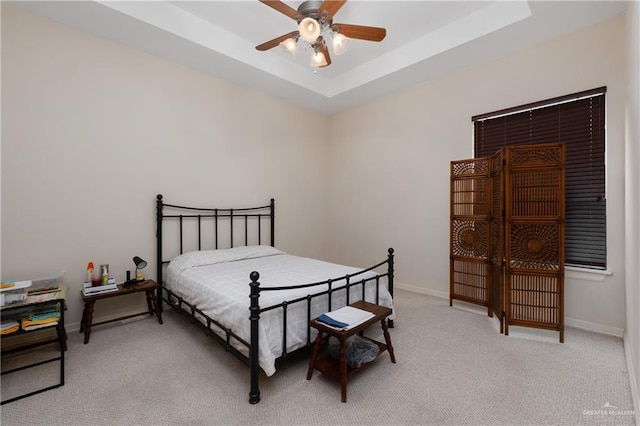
x: 310, y: 9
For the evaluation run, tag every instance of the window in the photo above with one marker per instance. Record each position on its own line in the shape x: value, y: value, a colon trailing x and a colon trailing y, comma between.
x: 578, y: 120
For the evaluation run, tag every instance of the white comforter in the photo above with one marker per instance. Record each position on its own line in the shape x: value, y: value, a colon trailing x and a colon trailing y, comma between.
x: 217, y: 282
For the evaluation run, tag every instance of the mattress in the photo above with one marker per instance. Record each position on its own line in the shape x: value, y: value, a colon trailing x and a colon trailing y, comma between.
x: 217, y: 283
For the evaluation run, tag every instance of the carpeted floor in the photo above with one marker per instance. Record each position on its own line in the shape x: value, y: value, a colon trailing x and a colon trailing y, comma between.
x: 453, y: 368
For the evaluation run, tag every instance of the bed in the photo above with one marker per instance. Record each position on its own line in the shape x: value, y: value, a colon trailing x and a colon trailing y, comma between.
x: 220, y: 267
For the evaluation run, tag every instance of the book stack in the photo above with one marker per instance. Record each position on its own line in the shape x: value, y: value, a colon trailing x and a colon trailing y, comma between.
x: 345, y: 318
x: 90, y: 289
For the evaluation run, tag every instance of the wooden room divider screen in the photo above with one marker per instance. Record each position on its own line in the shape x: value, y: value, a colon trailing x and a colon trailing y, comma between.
x: 507, y: 235
x: 470, y: 278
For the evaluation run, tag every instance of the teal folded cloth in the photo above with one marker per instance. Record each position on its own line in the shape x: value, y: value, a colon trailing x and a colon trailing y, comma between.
x: 44, y: 316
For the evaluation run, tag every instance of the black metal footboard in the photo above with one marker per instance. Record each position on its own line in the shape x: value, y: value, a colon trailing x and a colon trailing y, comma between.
x: 222, y: 221
x: 346, y: 284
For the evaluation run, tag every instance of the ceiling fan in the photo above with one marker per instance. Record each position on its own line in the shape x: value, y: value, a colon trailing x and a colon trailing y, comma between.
x: 315, y: 23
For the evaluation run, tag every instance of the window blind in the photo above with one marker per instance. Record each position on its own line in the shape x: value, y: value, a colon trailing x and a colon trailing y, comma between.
x: 578, y: 120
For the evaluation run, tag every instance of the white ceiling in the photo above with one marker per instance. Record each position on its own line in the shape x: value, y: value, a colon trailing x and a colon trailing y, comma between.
x: 425, y: 39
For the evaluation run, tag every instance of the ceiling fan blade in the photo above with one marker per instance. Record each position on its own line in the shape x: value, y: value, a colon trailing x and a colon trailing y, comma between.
x: 276, y: 41
x: 331, y: 6
x: 360, y: 32
x: 282, y: 8
x: 325, y: 51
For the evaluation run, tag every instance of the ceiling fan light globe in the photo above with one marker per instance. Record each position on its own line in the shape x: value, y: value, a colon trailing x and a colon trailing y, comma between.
x: 318, y: 60
x: 340, y: 43
x: 290, y: 46
x: 309, y: 29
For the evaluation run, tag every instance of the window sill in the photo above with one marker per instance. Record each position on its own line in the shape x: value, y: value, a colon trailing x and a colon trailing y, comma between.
x: 585, y: 274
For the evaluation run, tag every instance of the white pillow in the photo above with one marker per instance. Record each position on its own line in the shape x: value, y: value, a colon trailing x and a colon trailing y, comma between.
x: 211, y: 257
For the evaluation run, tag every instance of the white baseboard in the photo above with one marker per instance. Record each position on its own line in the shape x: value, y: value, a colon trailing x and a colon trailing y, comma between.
x: 421, y: 290
x: 571, y: 322
x: 635, y: 389
x: 74, y: 327
x: 591, y: 326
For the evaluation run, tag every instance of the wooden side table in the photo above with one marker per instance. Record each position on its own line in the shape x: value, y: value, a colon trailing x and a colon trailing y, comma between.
x: 337, y: 369
x: 148, y: 286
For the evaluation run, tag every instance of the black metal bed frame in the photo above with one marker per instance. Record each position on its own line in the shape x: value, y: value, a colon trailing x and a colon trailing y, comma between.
x: 183, y: 214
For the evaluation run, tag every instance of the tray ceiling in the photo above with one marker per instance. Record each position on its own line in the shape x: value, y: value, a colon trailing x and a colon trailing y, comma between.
x: 425, y: 40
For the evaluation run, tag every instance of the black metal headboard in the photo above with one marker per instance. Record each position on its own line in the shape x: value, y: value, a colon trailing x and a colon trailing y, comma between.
x: 198, y: 228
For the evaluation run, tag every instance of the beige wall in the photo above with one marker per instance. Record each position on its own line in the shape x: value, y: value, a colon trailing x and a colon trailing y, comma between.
x: 632, y: 198
x: 92, y: 131
x: 389, y: 163
x: 0, y: 142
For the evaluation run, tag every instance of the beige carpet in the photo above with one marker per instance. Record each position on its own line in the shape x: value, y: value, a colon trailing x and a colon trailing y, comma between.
x: 453, y: 368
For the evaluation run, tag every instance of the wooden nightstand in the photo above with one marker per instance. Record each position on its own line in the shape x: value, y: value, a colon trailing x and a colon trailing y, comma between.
x: 148, y: 286
x: 337, y: 369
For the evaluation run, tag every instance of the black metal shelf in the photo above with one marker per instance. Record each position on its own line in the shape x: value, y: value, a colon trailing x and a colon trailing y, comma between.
x: 61, y: 340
